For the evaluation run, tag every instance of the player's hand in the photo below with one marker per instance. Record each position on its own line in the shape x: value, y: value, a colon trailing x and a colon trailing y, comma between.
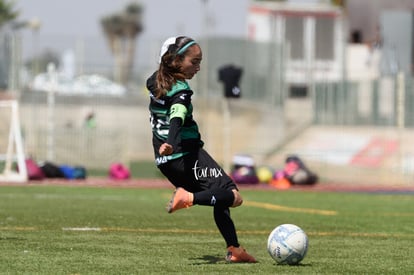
x: 165, y: 149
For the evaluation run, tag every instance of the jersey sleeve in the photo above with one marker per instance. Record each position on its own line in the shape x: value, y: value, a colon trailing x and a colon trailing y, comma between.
x: 178, y: 112
x: 182, y: 97
x: 180, y: 103
x: 174, y: 137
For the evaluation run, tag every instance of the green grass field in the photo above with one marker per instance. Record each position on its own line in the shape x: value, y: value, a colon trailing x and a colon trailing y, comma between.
x: 92, y: 230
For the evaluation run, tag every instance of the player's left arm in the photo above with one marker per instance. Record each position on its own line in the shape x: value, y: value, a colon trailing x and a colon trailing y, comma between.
x: 178, y: 112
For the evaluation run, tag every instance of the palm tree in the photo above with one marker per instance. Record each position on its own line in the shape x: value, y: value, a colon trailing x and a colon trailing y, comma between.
x: 112, y: 27
x: 121, y: 30
x: 7, y: 13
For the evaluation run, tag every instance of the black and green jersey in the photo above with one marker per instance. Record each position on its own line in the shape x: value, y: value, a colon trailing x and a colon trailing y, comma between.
x: 171, y: 118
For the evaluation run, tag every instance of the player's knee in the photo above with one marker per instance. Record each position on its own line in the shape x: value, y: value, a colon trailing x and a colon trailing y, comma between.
x: 238, y: 200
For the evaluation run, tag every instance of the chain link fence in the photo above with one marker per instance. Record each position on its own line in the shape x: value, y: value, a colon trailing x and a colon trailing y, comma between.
x: 55, y: 129
x: 379, y: 102
x: 261, y: 123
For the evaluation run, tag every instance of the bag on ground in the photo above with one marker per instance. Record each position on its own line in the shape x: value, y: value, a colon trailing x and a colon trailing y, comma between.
x: 118, y: 171
x: 33, y: 170
x: 73, y: 172
x: 244, y: 170
x: 297, y: 173
x: 51, y: 170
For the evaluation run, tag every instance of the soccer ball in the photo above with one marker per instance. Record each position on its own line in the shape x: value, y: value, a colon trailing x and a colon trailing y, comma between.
x: 287, y: 244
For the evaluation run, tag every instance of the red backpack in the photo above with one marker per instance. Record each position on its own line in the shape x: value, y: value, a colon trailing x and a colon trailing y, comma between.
x: 33, y: 170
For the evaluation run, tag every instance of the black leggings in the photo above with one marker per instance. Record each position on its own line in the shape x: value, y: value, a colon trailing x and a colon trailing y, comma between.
x: 226, y: 226
x: 199, y: 173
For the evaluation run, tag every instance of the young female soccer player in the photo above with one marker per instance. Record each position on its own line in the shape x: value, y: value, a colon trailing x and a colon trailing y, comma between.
x: 178, y: 147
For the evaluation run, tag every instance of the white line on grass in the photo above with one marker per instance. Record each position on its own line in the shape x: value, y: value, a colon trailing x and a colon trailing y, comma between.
x: 81, y: 229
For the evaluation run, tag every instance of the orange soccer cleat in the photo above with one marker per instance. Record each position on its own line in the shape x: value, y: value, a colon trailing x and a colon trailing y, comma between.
x: 180, y: 199
x: 239, y: 255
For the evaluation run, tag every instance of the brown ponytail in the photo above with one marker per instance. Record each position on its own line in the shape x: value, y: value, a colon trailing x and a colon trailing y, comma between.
x: 169, y: 71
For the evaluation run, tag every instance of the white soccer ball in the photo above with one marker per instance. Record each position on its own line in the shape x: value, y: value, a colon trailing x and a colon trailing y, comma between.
x: 287, y: 244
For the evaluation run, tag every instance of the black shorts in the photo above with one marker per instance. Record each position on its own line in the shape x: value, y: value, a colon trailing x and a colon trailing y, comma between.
x: 196, y: 172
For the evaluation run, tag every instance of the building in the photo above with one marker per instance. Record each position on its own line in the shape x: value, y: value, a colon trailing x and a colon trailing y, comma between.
x: 314, y: 35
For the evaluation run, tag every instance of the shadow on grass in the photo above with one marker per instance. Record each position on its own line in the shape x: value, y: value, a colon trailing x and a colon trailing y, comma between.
x: 299, y: 265
x: 207, y: 259
x: 12, y: 239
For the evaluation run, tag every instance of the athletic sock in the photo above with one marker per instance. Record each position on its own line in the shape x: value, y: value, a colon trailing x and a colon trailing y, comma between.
x: 214, y: 197
x: 226, y: 226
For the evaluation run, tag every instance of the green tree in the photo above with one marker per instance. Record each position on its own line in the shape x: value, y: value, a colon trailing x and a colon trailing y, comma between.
x: 7, y: 12
x: 121, y: 30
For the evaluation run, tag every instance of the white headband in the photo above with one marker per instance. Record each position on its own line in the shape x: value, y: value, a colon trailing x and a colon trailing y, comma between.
x: 167, y: 43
